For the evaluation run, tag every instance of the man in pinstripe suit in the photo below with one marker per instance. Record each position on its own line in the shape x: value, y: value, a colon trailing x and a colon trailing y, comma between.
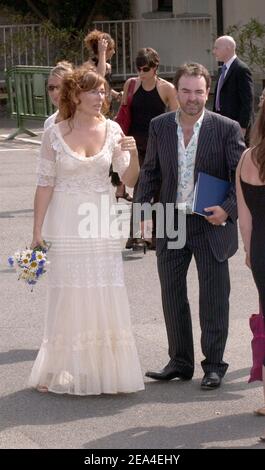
x: 180, y: 145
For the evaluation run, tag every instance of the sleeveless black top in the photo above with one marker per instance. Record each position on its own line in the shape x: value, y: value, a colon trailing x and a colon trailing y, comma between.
x: 145, y: 106
x: 254, y: 196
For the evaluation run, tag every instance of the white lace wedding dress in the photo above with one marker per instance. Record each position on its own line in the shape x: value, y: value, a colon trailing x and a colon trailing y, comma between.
x: 88, y: 345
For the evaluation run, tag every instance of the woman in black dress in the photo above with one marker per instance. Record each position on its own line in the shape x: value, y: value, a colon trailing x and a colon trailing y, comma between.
x: 251, y: 211
x: 152, y: 96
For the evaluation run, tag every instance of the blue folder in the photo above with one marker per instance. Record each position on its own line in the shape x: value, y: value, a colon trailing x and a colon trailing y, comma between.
x: 209, y: 191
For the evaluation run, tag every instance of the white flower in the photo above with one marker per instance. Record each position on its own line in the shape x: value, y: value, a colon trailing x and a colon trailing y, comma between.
x: 33, y: 266
x: 40, y: 256
x: 24, y: 262
x: 29, y: 265
x: 26, y: 254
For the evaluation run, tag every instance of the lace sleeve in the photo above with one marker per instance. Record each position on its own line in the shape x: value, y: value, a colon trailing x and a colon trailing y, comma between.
x: 120, y: 158
x: 46, y: 162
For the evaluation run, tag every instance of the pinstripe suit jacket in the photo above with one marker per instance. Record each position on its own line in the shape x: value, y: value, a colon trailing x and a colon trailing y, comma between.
x: 219, y: 149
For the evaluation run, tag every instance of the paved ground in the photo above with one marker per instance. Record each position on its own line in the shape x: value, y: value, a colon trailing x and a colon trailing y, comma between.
x: 166, y: 415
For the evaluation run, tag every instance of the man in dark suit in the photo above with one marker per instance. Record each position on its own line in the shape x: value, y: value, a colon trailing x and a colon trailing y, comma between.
x: 180, y: 145
x: 233, y: 95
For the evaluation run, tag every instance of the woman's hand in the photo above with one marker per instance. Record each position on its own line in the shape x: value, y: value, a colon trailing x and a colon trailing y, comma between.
x: 37, y: 240
x: 117, y: 95
x: 102, y: 46
x: 128, y: 143
x: 130, y: 176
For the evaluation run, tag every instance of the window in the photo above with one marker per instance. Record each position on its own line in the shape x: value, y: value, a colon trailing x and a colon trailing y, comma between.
x: 165, y: 5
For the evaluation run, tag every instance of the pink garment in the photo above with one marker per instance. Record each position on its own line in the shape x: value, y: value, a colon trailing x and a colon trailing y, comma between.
x: 256, y: 323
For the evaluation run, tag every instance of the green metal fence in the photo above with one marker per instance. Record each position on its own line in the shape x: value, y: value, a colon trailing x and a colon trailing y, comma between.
x: 27, y: 94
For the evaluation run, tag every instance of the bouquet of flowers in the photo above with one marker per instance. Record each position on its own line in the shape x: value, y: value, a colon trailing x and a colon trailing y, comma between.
x: 30, y: 264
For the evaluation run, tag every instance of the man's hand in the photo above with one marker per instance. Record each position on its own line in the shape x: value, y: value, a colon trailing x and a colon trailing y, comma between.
x: 218, y: 216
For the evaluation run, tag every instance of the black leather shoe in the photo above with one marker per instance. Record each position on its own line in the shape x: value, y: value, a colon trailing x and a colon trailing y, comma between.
x: 129, y: 243
x: 168, y: 373
x: 210, y: 381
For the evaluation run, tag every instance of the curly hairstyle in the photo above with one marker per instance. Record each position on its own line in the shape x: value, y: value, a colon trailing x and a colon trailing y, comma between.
x: 192, y: 69
x: 61, y: 68
x: 92, y: 38
x: 257, y: 142
x: 81, y: 79
x: 147, y: 56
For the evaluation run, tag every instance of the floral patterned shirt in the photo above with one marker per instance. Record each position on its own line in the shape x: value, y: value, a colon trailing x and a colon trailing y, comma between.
x: 186, y: 163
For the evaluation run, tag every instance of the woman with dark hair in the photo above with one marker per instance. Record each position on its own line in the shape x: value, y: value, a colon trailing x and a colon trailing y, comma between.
x: 88, y: 346
x: 251, y: 211
x: 152, y: 96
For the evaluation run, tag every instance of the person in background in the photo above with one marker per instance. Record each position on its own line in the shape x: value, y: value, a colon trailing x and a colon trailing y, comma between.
x: 152, y: 96
x: 101, y: 47
x: 233, y: 96
x: 54, y: 87
x: 250, y: 184
x: 88, y: 346
x: 180, y: 145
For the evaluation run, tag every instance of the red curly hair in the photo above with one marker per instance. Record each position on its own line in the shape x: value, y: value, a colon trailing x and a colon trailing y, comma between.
x: 81, y: 79
x: 92, y: 38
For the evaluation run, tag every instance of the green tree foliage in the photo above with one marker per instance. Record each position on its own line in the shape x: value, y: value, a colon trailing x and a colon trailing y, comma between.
x: 250, y: 40
x: 64, y: 24
x: 76, y: 14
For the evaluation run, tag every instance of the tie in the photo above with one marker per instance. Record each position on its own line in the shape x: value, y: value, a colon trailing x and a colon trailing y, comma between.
x: 219, y: 86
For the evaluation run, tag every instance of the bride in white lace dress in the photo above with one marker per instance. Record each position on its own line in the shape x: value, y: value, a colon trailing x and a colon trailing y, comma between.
x: 88, y: 345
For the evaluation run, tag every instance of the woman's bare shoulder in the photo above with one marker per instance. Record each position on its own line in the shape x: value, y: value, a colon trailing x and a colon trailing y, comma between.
x: 127, y: 83
x: 248, y: 168
x: 90, y: 64
x: 246, y: 156
x: 165, y: 84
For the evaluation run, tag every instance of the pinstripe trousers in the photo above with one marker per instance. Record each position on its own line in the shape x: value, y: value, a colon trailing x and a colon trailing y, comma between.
x: 214, y: 290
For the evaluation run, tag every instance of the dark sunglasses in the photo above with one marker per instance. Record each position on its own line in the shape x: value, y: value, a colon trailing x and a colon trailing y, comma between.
x: 143, y: 69
x: 53, y: 87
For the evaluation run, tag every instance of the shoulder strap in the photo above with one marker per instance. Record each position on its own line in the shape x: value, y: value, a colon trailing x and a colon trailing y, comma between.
x: 131, y: 90
x: 242, y: 161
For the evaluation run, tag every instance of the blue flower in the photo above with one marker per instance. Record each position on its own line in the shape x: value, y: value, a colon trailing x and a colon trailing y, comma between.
x: 29, y: 264
x: 39, y: 272
x: 11, y: 261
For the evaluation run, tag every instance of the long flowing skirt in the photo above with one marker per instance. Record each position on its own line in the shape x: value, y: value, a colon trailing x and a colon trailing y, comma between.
x: 88, y: 345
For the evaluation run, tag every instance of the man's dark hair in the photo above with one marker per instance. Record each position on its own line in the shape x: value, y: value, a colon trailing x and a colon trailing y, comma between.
x: 192, y: 70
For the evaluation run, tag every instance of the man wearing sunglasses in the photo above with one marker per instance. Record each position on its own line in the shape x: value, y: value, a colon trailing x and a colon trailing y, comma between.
x: 152, y: 96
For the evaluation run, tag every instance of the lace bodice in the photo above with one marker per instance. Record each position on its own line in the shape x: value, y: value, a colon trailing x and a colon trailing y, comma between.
x: 66, y: 170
